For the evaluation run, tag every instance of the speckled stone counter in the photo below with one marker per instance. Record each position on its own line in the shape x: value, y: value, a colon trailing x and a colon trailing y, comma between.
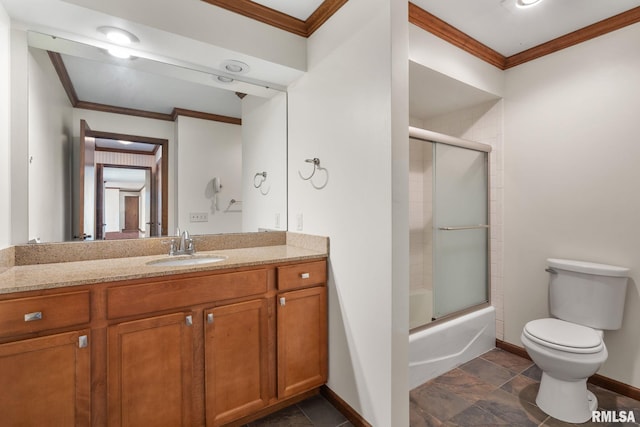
x: 47, y: 266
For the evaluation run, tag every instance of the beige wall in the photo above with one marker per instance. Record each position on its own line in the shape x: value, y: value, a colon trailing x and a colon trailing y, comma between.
x: 572, y: 179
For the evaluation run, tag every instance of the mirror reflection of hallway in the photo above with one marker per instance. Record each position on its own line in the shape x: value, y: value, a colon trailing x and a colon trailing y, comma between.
x: 122, y: 186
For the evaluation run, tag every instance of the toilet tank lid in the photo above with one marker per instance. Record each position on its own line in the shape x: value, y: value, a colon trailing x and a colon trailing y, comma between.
x: 588, y: 267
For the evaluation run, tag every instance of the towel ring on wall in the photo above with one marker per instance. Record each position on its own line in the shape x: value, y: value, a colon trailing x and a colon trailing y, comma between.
x: 316, y: 167
x: 261, y: 180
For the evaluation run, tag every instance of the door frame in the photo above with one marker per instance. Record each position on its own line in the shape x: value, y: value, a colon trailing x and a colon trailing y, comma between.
x: 162, y: 144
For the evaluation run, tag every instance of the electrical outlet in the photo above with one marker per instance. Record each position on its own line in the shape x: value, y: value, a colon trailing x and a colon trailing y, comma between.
x: 198, y: 217
x: 299, y: 222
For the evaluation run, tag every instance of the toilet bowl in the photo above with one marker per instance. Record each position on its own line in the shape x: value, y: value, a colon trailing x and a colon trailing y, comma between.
x: 584, y: 299
x: 567, y: 354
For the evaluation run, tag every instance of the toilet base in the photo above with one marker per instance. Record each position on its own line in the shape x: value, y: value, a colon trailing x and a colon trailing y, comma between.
x: 568, y: 401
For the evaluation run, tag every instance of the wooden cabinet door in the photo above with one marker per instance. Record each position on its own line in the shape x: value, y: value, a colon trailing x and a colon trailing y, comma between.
x: 302, y: 340
x: 149, y: 373
x: 46, y: 381
x: 236, y: 361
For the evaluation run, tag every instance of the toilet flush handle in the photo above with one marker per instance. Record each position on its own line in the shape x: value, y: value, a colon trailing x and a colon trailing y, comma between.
x: 550, y: 270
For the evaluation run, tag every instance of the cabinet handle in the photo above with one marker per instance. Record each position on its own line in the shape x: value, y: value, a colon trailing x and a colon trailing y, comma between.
x: 83, y: 341
x: 189, y: 320
x: 282, y: 301
x: 304, y: 275
x: 30, y: 317
x: 210, y: 318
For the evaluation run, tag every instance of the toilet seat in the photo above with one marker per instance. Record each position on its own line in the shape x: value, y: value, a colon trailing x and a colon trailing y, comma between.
x: 564, y: 336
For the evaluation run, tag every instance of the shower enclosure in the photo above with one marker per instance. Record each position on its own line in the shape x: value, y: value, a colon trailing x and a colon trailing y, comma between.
x: 449, y: 226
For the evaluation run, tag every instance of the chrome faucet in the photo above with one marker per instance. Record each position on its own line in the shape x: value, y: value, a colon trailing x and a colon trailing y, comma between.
x: 183, y: 246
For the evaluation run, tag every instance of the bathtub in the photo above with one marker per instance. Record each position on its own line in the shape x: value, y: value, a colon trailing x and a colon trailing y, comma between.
x: 436, y: 350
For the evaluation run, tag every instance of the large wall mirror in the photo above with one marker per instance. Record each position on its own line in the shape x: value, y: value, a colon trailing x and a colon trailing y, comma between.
x: 133, y: 147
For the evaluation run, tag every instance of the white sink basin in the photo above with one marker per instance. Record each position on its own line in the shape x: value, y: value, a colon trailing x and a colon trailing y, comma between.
x: 176, y: 261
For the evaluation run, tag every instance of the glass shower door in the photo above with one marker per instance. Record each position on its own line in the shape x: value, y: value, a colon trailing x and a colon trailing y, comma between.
x: 461, y: 233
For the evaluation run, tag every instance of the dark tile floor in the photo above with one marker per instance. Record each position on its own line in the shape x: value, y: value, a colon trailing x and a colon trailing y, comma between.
x: 497, y: 388
x: 314, y: 412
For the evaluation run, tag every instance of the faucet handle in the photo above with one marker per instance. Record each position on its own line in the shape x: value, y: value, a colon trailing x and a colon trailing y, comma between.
x: 172, y: 245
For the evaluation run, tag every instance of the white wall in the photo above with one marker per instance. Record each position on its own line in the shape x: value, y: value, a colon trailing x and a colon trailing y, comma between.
x: 5, y: 102
x: 264, y: 149
x: 50, y: 139
x: 19, y: 137
x: 342, y: 111
x: 571, y: 179
x: 112, y: 209
x: 443, y: 57
x: 208, y: 149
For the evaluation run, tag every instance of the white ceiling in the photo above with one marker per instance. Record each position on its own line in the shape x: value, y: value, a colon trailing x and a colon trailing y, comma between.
x: 508, y: 29
x: 498, y: 24
x: 125, y: 179
x: 300, y: 9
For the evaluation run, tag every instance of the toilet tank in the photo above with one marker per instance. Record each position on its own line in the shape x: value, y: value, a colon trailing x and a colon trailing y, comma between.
x: 587, y: 293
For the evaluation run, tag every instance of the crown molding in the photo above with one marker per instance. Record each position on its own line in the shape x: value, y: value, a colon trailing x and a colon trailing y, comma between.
x: 281, y: 20
x: 65, y: 80
x: 441, y: 29
x: 446, y: 32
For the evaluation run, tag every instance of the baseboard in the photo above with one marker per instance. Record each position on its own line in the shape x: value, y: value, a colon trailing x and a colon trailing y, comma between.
x: 597, y: 379
x: 512, y: 348
x: 342, y: 406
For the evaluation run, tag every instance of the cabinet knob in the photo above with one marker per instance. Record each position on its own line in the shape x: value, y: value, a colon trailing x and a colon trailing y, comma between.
x: 282, y: 301
x: 30, y: 317
x: 189, y: 320
x: 210, y: 318
x: 83, y: 341
x: 304, y: 275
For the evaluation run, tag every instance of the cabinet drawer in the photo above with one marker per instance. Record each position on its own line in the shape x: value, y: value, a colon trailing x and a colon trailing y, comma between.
x: 132, y: 300
x: 34, y: 314
x: 301, y: 275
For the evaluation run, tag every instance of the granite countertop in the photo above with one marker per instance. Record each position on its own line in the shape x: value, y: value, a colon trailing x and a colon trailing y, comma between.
x: 20, y: 278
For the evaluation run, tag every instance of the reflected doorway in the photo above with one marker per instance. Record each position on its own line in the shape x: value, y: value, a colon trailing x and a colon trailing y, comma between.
x: 122, y: 187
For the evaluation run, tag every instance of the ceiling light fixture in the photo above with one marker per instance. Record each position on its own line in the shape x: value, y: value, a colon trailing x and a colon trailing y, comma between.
x: 527, y: 3
x: 125, y: 142
x: 119, y: 52
x: 224, y: 79
x: 118, y: 35
x: 236, y: 67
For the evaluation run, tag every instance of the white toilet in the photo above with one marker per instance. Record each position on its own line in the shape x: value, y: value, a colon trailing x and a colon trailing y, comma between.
x: 584, y: 299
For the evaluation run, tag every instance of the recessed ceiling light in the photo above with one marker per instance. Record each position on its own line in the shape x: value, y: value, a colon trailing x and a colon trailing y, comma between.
x: 119, y: 52
x: 236, y: 67
x: 118, y: 35
x: 224, y: 79
x: 527, y: 3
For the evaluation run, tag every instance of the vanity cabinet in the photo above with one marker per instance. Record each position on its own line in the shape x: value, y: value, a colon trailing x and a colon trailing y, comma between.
x: 45, y: 374
x: 302, y: 328
x: 150, y: 369
x: 236, y: 360
x: 207, y: 348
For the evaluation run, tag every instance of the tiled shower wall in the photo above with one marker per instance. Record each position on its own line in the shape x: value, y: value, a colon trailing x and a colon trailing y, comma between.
x: 481, y: 123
